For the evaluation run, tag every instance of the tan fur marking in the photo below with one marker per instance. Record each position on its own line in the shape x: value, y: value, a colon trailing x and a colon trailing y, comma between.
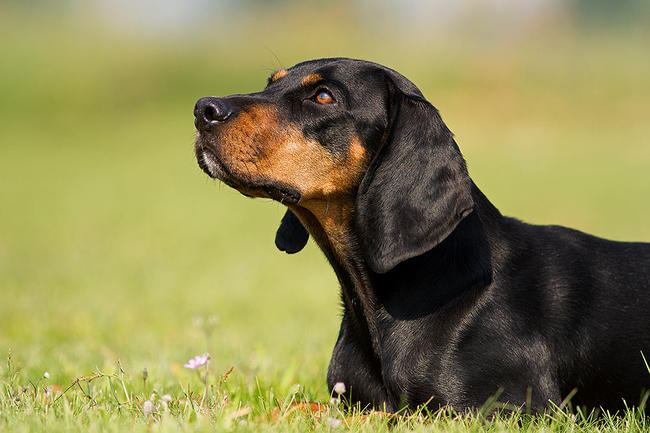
x: 311, y: 79
x: 281, y: 73
x: 259, y: 147
x: 334, y: 210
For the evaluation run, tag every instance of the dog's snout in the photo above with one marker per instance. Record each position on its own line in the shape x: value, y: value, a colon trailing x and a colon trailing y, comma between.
x: 209, y: 112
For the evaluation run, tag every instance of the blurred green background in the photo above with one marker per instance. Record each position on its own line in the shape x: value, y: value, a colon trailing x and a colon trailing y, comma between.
x: 114, y: 245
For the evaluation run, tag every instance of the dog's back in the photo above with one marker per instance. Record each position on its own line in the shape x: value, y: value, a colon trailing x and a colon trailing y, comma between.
x: 589, y: 298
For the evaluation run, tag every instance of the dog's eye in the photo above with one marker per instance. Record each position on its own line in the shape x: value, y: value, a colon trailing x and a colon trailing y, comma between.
x: 324, y: 97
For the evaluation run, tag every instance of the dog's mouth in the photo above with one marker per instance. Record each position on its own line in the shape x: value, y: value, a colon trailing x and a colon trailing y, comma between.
x: 210, y: 163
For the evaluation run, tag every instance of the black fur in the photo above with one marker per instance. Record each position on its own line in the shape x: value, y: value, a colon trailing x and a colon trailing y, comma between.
x: 416, y: 190
x: 446, y: 301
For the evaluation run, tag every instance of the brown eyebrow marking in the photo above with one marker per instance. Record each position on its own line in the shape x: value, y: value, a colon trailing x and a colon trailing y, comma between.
x: 280, y: 73
x: 311, y: 79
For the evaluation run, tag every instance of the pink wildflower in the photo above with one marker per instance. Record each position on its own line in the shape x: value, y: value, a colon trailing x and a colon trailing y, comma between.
x: 333, y: 422
x: 197, y: 361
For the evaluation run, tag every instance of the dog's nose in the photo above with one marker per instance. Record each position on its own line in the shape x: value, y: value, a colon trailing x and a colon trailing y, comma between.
x: 209, y: 112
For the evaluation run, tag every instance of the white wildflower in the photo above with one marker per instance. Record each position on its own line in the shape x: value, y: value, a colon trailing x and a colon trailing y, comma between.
x: 46, y: 375
x: 166, y: 398
x: 339, y: 388
x: 147, y: 408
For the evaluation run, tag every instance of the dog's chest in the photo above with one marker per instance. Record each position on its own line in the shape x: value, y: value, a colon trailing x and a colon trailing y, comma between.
x: 411, y: 367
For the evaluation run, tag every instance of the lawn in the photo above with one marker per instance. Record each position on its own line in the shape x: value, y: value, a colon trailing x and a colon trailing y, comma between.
x: 118, y: 255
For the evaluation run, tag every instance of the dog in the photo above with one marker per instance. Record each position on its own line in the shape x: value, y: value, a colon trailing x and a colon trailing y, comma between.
x: 446, y: 301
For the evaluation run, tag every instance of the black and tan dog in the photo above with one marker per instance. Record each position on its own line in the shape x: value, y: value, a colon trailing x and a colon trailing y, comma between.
x: 446, y: 301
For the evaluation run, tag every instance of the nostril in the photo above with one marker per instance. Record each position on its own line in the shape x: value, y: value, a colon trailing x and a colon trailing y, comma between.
x: 217, y: 111
x: 210, y: 111
x: 211, y: 114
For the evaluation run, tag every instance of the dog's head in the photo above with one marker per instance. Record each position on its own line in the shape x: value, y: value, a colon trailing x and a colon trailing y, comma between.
x: 341, y: 136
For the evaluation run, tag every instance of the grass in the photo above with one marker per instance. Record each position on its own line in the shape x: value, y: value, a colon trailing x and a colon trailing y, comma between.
x: 116, y: 252
x: 116, y: 402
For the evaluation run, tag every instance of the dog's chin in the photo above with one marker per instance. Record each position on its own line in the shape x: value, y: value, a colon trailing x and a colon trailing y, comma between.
x: 213, y: 167
x: 210, y: 164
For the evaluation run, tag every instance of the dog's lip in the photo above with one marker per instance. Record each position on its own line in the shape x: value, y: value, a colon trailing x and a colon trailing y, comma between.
x: 210, y: 164
x: 282, y: 194
x: 213, y: 167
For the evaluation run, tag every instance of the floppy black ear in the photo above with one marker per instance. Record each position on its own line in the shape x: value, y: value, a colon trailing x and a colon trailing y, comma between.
x: 417, y: 188
x: 291, y: 236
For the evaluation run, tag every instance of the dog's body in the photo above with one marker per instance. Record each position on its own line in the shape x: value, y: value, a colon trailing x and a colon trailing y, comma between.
x: 505, y: 305
x: 446, y: 301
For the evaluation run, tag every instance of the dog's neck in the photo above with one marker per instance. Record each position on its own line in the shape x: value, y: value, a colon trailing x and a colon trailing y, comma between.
x: 330, y: 223
x: 460, y: 262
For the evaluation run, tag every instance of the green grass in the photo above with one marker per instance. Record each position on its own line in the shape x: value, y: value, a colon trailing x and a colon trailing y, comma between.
x: 114, y: 245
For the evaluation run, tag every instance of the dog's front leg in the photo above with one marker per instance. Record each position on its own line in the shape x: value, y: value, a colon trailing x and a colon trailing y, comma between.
x: 354, y: 365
